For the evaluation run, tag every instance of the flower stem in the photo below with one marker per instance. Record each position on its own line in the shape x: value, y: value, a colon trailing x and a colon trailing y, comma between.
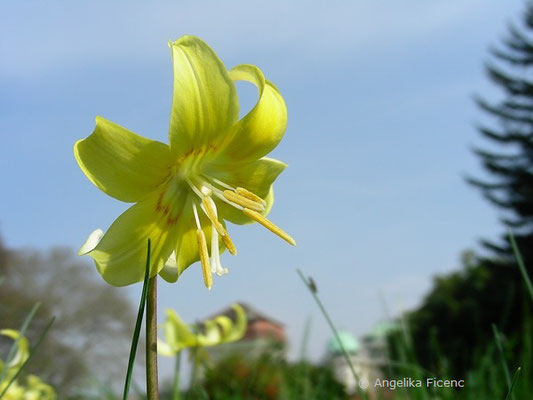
x: 152, y: 390
x: 176, y: 386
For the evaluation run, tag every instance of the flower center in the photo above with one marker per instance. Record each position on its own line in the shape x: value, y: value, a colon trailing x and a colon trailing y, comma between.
x: 205, y: 188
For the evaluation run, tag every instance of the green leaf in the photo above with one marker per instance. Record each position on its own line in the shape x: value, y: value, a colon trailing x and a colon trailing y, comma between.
x: 138, y: 324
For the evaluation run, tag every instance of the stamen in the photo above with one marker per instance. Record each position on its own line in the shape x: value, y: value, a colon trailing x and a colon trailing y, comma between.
x: 225, y: 237
x: 229, y: 244
x: 250, y: 195
x: 224, y: 185
x: 243, y: 201
x: 220, y: 195
x: 194, y: 188
x: 211, y: 214
x: 204, y: 259
x: 269, y: 225
x: 195, y: 212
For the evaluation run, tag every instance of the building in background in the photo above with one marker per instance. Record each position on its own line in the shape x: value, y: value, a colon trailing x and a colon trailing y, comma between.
x: 263, y: 334
x: 368, y: 357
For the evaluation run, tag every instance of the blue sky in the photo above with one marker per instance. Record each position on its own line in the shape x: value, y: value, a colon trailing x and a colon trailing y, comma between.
x: 381, y: 121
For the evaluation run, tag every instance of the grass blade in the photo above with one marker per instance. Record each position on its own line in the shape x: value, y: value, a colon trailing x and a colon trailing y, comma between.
x: 515, y: 378
x: 499, y: 346
x: 137, y: 332
x: 521, y: 265
x: 32, y: 351
x: 311, y: 286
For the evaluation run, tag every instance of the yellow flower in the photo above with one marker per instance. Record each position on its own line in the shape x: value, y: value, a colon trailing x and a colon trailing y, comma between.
x: 222, y: 329
x: 35, y: 388
x: 21, y: 355
x: 214, y: 170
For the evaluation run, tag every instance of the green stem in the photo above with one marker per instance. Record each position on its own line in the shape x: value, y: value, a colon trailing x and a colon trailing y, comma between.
x: 194, y: 353
x: 176, y: 386
x: 152, y: 390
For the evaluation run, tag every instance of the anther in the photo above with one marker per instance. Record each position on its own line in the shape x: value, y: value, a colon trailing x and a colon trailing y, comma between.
x: 243, y: 201
x: 229, y: 244
x: 250, y: 195
x: 269, y: 225
x: 204, y: 259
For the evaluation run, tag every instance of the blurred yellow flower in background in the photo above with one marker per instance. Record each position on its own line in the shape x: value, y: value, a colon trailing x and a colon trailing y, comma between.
x: 213, y: 332
x: 35, y: 388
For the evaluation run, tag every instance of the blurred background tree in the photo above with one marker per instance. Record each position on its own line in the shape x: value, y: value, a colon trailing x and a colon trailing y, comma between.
x: 455, y: 318
x: 90, y: 338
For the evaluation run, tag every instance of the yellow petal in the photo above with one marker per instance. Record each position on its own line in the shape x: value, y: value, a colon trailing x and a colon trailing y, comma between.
x: 225, y: 325
x: 170, y: 270
x: 210, y: 335
x: 91, y: 242
x: 23, y: 349
x: 121, y: 163
x: 205, y: 103
x: 259, y: 131
x: 256, y: 176
x: 120, y: 256
x: 177, y: 333
x: 239, y: 328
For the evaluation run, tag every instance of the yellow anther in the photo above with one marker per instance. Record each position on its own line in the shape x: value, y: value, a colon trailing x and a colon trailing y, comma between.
x: 269, y: 225
x: 243, y: 201
x: 204, y: 259
x: 212, y: 216
x: 249, y: 195
x: 229, y: 244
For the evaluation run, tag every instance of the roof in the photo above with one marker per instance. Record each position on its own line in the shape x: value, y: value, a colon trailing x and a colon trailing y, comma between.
x: 349, y: 342
x: 383, y: 328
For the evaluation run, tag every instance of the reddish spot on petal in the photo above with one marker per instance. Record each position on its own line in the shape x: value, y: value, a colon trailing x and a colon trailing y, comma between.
x: 172, y: 221
x: 159, y: 200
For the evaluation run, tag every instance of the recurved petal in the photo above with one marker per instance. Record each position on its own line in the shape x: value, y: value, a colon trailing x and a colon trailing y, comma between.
x: 121, y: 163
x: 239, y: 328
x: 225, y: 324
x: 170, y: 270
x: 91, y: 242
x: 211, y: 335
x: 256, y: 176
x: 23, y: 349
x: 120, y: 256
x: 177, y: 333
x: 259, y: 131
x: 205, y: 103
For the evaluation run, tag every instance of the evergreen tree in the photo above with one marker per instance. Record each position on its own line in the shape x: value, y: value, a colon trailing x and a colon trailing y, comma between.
x: 511, y: 188
x: 455, y: 319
